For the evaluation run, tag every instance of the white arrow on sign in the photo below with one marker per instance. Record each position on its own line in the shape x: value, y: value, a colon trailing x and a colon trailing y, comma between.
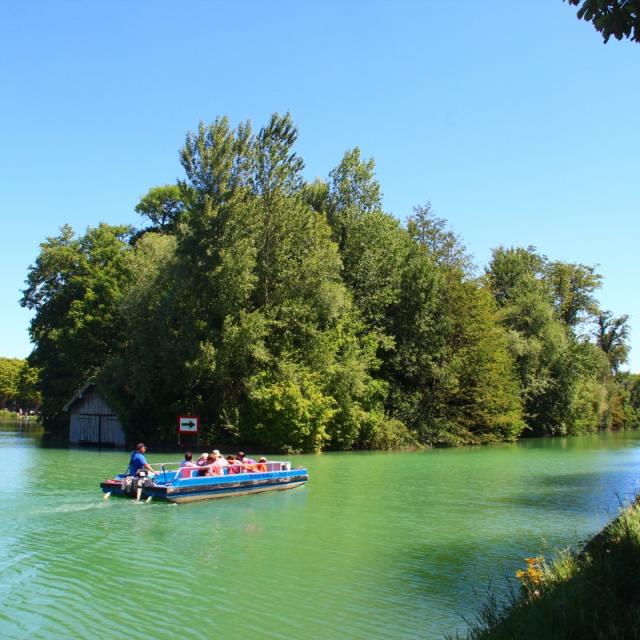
x: 188, y: 424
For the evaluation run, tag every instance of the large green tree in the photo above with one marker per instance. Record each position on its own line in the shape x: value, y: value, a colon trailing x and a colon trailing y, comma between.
x: 564, y: 384
x: 249, y: 304
x: 75, y: 288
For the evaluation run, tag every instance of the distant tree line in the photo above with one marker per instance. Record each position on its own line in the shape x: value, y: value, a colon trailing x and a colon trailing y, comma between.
x: 300, y: 316
x: 18, y: 385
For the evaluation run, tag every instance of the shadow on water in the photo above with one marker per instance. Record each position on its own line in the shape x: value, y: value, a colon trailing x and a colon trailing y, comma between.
x: 575, y: 492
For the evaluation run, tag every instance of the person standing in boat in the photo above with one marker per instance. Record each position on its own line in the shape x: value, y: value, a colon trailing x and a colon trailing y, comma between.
x: 138, y: 463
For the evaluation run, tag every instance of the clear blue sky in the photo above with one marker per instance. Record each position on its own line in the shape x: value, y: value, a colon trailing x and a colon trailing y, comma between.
x: 512, y: 118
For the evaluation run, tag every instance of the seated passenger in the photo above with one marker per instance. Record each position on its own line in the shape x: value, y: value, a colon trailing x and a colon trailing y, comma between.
x: 235, y: 466
x: 219, y: 463
x: 262, y: 465
x: 249, y: 464
x: 202, y: 460
x: 188, y: 460
x: 204, y: 464
x: 220, y: 458
x: 244, y: 459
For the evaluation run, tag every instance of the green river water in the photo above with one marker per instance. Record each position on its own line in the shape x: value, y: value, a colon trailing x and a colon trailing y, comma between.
x: 376, y: 545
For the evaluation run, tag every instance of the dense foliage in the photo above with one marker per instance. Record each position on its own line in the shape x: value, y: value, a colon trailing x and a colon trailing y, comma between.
x: 301, y: 316
x: 18, y: 385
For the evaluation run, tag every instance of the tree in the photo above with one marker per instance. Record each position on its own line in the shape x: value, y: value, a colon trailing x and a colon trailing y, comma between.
x: 444, y: 246
x: 75, y: 288
x: 10, y: 382
x: 18, y: 385
x: 162, y: 205
x: 513, y: 270
x: 612, y: 335
x: 218, y: 162
x: 618, y: 18
x: 572, y: 287
x: 265, y: 317
x: 29, y: 396
x: 565, y: 386
x: 538, y: 339
x: 353, y: 184
x: 372, y: 244
x: 452, y: 377
x: 146, y: 376
x: 277, y: 165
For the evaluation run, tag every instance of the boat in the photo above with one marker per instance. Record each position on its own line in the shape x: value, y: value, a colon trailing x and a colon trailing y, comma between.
x: 184, y: 484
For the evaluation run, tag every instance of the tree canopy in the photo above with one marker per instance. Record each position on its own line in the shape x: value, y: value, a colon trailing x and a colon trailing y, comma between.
x: 300, y: 316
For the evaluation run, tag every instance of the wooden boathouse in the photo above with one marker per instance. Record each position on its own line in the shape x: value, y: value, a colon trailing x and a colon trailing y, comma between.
x: 92, y: 421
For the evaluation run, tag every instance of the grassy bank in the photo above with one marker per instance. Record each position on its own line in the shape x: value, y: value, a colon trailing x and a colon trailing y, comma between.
x: 591, y: 594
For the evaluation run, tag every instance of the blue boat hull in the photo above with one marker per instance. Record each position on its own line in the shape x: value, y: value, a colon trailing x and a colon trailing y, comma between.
x: 171, y: 488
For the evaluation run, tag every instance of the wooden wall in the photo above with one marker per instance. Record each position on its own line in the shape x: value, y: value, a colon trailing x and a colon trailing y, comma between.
x: 92, y: 421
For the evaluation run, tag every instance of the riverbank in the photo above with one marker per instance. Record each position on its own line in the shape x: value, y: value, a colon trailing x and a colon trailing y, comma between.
x: 6, y: 414
x: 594, y: 593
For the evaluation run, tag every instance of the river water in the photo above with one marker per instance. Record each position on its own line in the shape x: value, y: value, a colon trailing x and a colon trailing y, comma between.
x: 376, y: 545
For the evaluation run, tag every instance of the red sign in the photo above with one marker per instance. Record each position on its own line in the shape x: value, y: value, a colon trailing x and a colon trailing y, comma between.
x: 188, y: 424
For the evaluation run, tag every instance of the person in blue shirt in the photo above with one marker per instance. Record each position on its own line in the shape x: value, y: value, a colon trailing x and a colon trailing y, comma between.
x: 138, y: 462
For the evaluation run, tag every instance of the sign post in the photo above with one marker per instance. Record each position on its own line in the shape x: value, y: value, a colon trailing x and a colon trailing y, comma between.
x: 188, y: 425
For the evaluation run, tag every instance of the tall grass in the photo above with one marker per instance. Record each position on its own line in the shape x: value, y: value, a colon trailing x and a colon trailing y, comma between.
x: 588, y: 595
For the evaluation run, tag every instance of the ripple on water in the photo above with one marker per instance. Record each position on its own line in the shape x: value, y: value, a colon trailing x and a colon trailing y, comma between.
x: 396, y: 545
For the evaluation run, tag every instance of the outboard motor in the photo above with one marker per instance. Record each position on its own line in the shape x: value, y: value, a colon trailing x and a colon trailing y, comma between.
x: 131, y: 484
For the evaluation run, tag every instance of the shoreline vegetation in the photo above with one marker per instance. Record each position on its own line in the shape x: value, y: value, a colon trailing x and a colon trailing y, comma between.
x: 6, y: 414
x: 591, y: 593
x: 300, y: 316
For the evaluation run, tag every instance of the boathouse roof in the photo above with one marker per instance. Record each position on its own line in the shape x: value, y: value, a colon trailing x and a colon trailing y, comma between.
x: 78, y: 395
